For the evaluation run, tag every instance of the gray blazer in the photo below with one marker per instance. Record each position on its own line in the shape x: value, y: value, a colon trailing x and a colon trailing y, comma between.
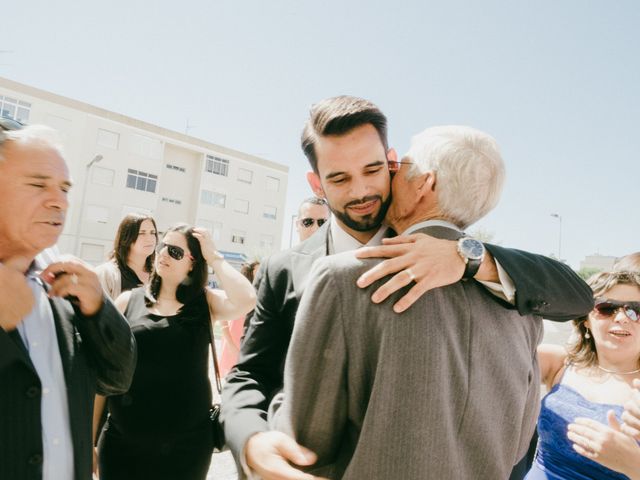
x: 449, y: 389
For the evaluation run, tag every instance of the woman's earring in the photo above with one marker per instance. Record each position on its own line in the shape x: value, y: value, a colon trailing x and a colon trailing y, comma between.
x: 587, y: 335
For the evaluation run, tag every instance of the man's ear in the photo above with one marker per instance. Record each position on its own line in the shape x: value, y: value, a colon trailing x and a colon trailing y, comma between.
x: 314, y: 182
x: 426, y: 184
x: 429, y: 181
x: 392, y: 155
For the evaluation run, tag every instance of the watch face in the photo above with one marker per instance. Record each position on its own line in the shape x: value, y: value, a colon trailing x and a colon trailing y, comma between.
x: 472, y: 248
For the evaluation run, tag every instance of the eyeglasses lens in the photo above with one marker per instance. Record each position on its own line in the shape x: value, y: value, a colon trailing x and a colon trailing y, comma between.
x: 175, y: 252
x: 609, y: 309
x: 308, y: 222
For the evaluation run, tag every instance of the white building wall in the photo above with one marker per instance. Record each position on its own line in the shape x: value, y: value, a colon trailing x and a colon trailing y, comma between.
x: 102, y: 197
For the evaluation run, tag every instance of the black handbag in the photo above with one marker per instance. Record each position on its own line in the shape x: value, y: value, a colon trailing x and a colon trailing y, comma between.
x: 217, y: 432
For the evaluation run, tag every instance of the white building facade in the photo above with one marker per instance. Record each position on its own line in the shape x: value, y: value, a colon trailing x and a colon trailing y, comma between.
x: 121, y: 165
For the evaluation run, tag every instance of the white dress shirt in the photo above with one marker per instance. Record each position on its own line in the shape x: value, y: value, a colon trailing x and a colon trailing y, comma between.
x: 38, y: 334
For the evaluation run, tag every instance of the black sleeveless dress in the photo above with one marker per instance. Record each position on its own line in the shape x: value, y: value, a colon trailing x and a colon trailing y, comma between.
x: 160, y: 429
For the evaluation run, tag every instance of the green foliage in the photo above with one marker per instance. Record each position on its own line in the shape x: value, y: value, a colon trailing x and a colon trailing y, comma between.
x: 586, y: 272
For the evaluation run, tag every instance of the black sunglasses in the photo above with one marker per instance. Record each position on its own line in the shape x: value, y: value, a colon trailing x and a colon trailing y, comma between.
x: 308, y: 222
x: 175, y: 252
x: 608, y: 308
x: 7, y: 124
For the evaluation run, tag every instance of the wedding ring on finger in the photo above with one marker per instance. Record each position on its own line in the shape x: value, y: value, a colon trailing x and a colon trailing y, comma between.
x: 412, y: 277
x: 74, y: 279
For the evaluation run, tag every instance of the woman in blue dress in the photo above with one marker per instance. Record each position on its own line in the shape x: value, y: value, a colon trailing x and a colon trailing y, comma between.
x: 580, y: 431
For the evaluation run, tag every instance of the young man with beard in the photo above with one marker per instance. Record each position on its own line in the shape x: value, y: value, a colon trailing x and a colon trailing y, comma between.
x: 345, y: 141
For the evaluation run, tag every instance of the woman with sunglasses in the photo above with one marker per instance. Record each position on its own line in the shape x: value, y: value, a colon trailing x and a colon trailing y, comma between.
x: 160, y: 429
x: 579, y: 428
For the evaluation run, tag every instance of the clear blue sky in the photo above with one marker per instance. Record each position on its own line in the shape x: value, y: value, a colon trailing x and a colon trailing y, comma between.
x: 557, y: 83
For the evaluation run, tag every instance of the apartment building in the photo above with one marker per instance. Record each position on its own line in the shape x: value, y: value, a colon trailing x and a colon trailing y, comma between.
x: 121, y: 165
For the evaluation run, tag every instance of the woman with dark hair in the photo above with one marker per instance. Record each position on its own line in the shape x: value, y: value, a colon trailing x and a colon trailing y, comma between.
x: 160, y: 428
x: 130, y: 265
x: 232, y: 330
x: 581, y: 434
x: 131, y: 260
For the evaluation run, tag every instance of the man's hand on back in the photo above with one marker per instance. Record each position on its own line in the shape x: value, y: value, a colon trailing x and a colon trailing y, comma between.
x: 270, y: 454
x: 430, y: 262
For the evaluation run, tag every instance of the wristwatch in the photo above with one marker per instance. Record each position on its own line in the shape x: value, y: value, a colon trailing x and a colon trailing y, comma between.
x: 472, y: 253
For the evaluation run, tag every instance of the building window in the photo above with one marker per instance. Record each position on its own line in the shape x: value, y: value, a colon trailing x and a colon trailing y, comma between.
x: 266, y: 242
x: 238, y: 236
x: 171, y: 200
x: 242, y: 206
x: 142, y: 181
x: 108, y: 139
x: 217, y: 231
x: 15, y: 109
x: 217, y: 166
x: 245, y: 175
x: 97, y: 214
x: 146, y: 146
x: 213, y: 198
x: 92, y: 252
x: 269, y: 212
x: 273, y: 184
x: 214, y: 227
x: 102, y: 176
x: 127, y: 209
x: 175, y: 167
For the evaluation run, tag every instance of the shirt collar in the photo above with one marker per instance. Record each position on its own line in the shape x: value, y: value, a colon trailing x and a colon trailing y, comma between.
x: 343, y: 242
x: 430, y: 223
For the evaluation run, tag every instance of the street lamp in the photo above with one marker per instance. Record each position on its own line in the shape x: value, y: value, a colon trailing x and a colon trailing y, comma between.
x: 95, y: 160
x: 556, y: 215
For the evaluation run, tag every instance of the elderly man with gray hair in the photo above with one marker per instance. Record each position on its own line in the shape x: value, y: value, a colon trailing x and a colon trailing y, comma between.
x: 447, y: 389
x: 61, y: 339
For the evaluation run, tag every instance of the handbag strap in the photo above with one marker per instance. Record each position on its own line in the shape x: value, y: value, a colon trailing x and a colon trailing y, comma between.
x: 214, y: 357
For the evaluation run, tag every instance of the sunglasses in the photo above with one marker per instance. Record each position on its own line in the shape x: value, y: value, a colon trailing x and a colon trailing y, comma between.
x: 7, y: 124
x: 608, y: 308
x: 175, y: 252
x: 394, y: 165
x: 308, y: 222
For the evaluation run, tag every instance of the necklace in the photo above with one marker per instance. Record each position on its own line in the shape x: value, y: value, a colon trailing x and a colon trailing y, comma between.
x: 618, y: 373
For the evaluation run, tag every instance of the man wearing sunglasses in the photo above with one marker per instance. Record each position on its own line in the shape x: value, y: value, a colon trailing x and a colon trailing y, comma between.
x: 312, y: 214
x: 61, y: 340
x: 345, y: 141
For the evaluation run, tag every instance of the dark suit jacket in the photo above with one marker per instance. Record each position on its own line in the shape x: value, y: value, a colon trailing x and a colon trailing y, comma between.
x: 544, y: 287
x: 98, y: 356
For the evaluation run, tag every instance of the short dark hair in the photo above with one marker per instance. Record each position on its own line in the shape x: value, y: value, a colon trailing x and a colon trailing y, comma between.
x: 192, y: 286
x: 338, y: 116
x: 314, y: 201
x: 247, y: 269
x: 127, y: 235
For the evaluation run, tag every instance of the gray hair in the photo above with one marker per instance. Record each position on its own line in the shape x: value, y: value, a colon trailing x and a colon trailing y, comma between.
x: 313, y: 201
x: 469, y: 170
x: 32, y: 135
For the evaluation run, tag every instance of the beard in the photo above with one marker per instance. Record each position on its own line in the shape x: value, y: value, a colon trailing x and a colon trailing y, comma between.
x: 367, y: 222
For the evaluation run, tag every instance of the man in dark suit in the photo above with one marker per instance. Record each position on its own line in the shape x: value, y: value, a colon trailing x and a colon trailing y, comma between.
x: 345, y: 141
x: 61, y: 340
